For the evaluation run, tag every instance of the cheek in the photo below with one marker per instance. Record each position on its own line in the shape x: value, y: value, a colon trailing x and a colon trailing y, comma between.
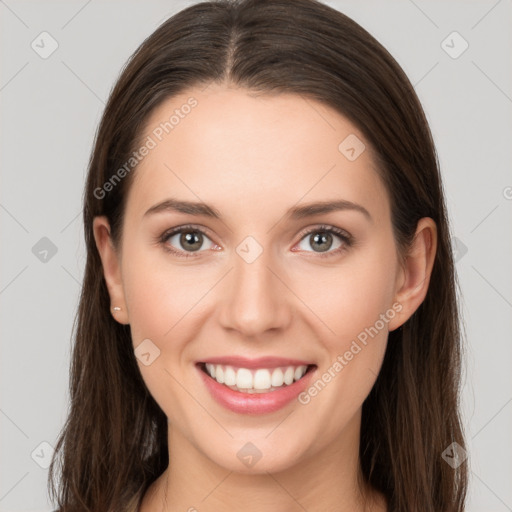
x: 358, y: 313
x: 160, y: 299
x: 356, y: 304
x: 159, y: 295
x: 352, y: 297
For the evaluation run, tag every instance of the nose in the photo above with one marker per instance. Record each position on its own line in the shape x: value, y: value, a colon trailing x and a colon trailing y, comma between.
x: 256, y: 298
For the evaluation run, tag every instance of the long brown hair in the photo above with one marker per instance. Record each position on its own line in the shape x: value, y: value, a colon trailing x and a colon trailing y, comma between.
x: 114, y: 442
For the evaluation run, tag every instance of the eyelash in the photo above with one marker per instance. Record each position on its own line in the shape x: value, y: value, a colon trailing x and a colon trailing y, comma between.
x: 345, y: 237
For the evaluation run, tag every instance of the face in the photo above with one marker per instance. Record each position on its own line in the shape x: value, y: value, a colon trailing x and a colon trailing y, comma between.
x: 257, y: 285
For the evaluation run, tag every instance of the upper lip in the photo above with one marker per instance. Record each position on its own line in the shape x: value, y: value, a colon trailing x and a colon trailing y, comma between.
x: 259, y: 362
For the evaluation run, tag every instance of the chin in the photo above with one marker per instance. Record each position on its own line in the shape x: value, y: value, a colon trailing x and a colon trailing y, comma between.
x: 257, y: 456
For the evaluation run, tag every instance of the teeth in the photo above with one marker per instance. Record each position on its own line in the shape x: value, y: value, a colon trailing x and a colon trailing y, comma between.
x: 288, y: 375
x: 230, y: 376
x: 262, y: 379
x: 277, y: 378
x: 298, y: 373
x: 244, y: 378
x: 254, y: 381
x: 211, y: 369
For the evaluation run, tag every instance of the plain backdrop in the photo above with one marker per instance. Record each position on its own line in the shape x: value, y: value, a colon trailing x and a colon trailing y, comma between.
x: 50, y: 108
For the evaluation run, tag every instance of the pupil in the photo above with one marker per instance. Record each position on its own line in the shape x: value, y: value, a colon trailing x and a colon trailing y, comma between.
x: 322, y: 238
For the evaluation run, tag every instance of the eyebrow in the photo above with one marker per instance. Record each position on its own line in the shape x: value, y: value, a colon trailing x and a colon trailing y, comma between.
x: 295, y: 213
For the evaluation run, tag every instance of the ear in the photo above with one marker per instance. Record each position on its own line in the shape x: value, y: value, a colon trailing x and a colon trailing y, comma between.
x: 414, y: 276
x: 111, y: 268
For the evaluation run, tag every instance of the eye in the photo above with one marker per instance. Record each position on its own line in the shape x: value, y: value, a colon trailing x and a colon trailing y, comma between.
x: 185, y: 239
x: 321, y: 239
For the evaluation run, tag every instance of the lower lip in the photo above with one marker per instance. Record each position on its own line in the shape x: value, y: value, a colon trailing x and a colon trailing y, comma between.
x: 254, y: 403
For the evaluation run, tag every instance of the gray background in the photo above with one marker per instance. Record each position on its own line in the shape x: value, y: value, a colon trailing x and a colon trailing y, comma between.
x: 50, y: 110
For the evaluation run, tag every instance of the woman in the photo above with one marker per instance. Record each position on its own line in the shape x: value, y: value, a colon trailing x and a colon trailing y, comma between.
x: 268, y: 319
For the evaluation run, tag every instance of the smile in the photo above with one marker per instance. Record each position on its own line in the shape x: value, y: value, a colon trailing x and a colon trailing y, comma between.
x: 255, y: 386
x: 259, y: 380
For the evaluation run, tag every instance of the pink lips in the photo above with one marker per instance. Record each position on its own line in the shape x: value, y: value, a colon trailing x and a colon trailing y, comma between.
x: 254, y: 403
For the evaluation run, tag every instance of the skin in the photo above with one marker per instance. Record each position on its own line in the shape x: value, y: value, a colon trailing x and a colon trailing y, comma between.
x: 252, y: 158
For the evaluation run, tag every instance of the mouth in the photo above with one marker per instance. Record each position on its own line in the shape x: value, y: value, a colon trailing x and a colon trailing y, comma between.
x: 259, y: 385
x: 256, y: 380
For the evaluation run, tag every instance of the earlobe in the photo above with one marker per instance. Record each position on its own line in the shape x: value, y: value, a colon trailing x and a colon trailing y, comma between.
x: 414, y: 278
x: 111, y: 268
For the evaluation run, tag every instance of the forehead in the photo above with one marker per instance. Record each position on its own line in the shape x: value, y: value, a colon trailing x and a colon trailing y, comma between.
x: 233, y: 149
